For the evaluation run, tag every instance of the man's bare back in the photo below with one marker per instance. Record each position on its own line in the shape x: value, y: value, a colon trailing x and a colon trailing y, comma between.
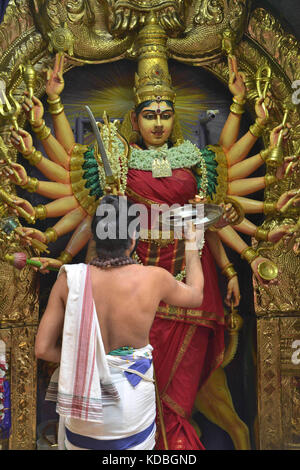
x: 126, y: 299
x: 125, y: 306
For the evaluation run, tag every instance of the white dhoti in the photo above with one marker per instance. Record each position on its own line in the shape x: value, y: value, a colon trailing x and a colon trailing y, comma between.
x: 102, y: 405
x: 128, y: 423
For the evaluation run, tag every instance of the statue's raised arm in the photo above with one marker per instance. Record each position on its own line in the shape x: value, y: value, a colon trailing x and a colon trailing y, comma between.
x: 54, y: 87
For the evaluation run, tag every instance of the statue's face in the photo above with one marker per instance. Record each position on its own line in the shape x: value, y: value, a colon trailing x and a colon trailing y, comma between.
x: 155, y: 123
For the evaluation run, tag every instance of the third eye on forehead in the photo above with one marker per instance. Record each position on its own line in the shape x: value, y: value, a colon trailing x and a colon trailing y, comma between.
x: 154, y: 111
x: 163, y: 113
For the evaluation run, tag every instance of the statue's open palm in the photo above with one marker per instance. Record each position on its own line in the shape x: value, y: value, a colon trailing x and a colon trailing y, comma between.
x: 236, y: 79
x: 55, y: 82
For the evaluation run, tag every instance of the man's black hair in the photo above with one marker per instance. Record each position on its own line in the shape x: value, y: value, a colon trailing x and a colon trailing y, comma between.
x: 110, y: 220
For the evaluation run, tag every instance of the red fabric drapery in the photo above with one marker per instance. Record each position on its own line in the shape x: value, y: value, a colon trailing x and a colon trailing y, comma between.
x: 188, y: 343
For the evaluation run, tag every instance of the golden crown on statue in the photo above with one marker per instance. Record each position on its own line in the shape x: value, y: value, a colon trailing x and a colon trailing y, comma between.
x: 153, y: 81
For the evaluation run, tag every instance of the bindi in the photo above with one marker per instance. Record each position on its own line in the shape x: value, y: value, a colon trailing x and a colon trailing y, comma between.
x: 158, y: 110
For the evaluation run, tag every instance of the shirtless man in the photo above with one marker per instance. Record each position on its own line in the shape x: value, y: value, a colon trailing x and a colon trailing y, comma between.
x: 124, y: 300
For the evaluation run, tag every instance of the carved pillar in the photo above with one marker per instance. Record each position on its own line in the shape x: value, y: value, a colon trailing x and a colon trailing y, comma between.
x: 19, y: 342
x: 18, y: 324
x: 278, y: 378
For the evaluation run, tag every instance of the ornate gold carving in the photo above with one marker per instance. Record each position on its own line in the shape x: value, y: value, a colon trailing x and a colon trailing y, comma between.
x: 278, y: 380
x: 268, y: 376
x: 81, y: 29
x: 5, y: 335
x: 129, y: 15
x: 206, y: 21
x: 18, y: 294
x: 276, y: 41
x: 23, y: 388
x: 209, y: 12
x: 61, y: 40
x: 19, y: 316
x: 284, y: 297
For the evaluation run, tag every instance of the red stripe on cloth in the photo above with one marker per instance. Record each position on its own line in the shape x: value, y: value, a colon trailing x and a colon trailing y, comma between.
x: 91, y: 376
x: 84, y: 338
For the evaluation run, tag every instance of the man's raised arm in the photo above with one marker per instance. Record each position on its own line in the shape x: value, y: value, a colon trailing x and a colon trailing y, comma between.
x: 189, y: 294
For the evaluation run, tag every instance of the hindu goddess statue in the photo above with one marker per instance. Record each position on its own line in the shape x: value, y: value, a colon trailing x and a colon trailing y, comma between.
x: 155, y: 165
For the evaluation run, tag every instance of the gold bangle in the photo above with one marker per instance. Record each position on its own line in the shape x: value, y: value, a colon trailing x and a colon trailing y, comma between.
x: 55, y: 106
x: 37, y: 129
x: 234, y: 99
x: 51, y: 235
x: 270, y: 179
x: 57, y: 100
x: 269, y: 208
x: 65, y: 257
x: 261, y: 234
x: 237, y: 107
x: 238, y: 208
x: 256, y: 129
x: 249, y: 255
x: 229, y: 271
x: 31, y: 185
x: 34, y: 157
x: 40, y: 212
x: 264, y: 154
x: 55, y: 110
x: 42, y: 132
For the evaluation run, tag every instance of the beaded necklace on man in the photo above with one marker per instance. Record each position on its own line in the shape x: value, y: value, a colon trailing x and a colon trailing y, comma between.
x: 106, y: 263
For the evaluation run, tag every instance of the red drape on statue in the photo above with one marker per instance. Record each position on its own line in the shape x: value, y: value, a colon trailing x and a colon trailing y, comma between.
x: 188, y: 343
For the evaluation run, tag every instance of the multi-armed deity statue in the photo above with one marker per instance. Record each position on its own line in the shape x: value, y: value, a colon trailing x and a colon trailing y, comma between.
x: 152, y: 164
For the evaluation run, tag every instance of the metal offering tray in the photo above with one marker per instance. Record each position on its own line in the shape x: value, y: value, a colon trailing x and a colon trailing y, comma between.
x: 200, y: 214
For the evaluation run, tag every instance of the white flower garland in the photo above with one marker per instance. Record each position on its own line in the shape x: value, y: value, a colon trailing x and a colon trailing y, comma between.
x: 115, y: 150
x: 184, y: 155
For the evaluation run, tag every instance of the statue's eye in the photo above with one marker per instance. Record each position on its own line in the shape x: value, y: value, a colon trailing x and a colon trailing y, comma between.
x: 149, y: 116
x: 166, y: 116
